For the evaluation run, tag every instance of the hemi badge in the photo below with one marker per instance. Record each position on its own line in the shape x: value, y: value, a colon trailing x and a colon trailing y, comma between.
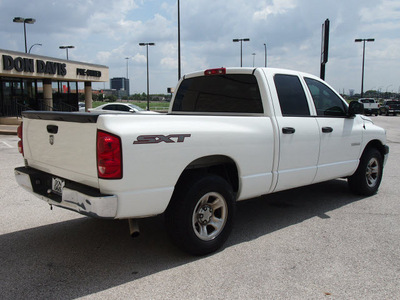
x: 355, y: 144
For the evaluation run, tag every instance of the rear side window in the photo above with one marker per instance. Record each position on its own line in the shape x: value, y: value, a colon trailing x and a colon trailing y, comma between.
x: 231, y: 93
x: 109, y: 107
x: 292, y: 98
x: 123, y: 108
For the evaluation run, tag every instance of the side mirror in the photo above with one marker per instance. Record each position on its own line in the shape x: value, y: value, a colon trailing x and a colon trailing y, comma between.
x: 132, y: 110
x: 355, y: 108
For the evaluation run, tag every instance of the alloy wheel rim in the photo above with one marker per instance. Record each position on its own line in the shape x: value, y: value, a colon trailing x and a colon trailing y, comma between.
x: 209, y: 216
x: 372, y: 172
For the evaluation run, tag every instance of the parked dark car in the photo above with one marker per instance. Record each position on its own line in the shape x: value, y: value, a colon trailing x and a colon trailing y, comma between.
x: 390, y: 107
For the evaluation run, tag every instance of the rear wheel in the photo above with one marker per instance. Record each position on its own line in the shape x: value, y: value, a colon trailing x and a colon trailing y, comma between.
x: 200, y: 216
x: 366, y: 180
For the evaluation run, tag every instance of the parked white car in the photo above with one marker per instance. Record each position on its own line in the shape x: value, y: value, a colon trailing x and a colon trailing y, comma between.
x: 81, y: 106
x: 115, y: 106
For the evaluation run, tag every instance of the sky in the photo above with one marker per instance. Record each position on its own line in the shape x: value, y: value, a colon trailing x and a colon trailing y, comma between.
x: 107, y: 32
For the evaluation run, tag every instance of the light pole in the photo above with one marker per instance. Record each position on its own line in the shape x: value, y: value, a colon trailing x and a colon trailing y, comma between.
x: 179, y: 42
x: 66, y: 48
x: 32, y: 47
x: 127, y: 78
x: 362, y: 72
x: 265, y: 51
x: 254, y: 58
x: 147, y: 60
x: 127, y: 59
x: 241, y: 44
x: 25, y: 21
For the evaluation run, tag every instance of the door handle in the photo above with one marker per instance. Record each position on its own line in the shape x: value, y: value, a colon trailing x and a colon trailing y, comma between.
x: 52, y: 129
x: 327, y: 129
x: 288, y: 130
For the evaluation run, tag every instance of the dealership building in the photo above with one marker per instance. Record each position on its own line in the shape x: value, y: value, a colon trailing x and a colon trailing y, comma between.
x: 33, y: 82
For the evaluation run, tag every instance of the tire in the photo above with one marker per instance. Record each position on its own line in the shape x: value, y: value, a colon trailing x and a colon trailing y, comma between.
x: 200, y: 216
x: 367, y: 178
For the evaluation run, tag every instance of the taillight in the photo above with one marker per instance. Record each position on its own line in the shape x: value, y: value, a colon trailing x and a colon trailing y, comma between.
x: 220, y: 71
x: 109, y: 156
x: 19, y: 134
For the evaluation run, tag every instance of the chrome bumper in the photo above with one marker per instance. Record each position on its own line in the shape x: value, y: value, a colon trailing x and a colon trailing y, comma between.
x: 82, y: 199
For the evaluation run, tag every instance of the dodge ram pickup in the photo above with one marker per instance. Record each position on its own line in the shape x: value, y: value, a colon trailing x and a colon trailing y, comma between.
x: 229, y: 135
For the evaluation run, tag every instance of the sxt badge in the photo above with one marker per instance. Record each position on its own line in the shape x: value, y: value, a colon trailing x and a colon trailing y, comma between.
x: 155, y: 139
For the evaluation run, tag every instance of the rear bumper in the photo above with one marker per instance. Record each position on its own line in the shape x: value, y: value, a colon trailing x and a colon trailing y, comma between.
x: 76, y: 197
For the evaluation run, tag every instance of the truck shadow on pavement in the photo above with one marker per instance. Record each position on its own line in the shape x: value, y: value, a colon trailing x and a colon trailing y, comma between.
x: 84, y: 256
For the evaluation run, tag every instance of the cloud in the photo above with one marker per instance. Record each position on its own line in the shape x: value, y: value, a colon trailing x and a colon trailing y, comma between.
x: 277, y: 7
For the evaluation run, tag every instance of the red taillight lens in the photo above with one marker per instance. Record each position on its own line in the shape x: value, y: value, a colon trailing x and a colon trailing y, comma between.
x: 220, y: 71
x: 109, y: 156
x: 19, y: 134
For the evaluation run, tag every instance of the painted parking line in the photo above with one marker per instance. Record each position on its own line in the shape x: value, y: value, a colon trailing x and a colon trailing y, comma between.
x: 7, y: 144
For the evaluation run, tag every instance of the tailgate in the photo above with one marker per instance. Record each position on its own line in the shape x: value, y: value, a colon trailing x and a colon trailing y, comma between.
x: 62, y: 144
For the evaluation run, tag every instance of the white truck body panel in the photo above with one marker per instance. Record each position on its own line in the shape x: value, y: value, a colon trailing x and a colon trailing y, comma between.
x: 247, y: 137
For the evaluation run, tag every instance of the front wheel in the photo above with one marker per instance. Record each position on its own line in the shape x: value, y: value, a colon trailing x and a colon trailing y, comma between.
x: 200, y: 216
x: 366, y: 180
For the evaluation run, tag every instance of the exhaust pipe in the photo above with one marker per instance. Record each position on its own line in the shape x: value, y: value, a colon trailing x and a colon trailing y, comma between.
x: 134, y: 228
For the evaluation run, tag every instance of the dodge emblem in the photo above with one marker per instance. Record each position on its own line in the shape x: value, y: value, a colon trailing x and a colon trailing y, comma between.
x: 51, y: 139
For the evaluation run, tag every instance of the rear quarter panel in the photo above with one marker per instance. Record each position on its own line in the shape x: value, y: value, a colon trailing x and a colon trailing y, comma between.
x: 150, y: 171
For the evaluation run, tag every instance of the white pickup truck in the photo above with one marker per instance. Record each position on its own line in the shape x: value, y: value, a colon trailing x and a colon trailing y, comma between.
x: 230, y: 135
x: 371, y: 106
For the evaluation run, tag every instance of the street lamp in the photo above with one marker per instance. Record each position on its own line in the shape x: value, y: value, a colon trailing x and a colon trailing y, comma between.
x: 32, y: 47
x: 147, y: 60
x: 25, y: 21
x: 66, y: 48
x: 241, y: 43
x: 362, y: 74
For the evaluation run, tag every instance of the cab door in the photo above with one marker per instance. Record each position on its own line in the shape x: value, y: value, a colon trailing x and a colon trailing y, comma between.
x: 341, y: 136
x: 298, y: 133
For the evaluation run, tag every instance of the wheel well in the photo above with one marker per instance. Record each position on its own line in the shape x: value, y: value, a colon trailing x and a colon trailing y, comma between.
x: 220, y: 165
x: 377, y: 145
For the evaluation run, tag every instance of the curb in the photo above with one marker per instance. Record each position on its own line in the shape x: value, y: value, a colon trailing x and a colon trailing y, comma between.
x: 8, y: 130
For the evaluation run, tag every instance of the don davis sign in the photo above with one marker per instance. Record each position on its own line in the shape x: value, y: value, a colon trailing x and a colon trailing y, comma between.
x: 30, y: 65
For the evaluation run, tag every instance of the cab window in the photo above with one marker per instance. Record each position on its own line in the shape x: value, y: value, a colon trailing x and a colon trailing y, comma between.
x: 230, y: 93
x: 292, y: 98
x: 326, y: 102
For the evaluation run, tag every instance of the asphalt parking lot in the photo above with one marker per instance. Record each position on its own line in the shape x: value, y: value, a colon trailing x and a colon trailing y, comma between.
x: 316, y: 242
